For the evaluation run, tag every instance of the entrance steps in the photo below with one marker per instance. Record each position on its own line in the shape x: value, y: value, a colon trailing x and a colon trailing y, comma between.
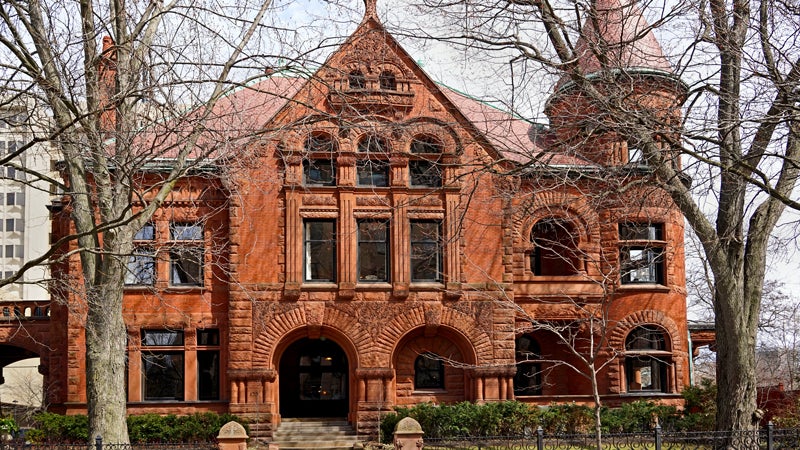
x: 315, y: 434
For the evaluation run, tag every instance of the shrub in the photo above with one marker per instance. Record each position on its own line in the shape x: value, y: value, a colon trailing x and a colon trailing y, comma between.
x: 145, y: 428
x: 8, y: 426
x: 637, y: 416
x: 567, y: 418
x: 700, y: 410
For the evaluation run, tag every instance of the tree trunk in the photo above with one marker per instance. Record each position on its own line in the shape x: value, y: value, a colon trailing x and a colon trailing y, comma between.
x: 106, y: 341
x: 736, y: 376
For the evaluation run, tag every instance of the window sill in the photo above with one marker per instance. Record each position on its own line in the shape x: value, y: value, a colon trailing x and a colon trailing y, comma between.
x: 644, y: 287
x: 319, y: 286
x: 179, y: 288
x: 139, y: 287
x: 648, y: 394
x: 425, y: 285
x: 373, y: 286
x: 428, y: 391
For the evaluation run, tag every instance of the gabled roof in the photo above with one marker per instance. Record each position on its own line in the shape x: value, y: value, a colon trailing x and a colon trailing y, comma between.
x: 621, y: 35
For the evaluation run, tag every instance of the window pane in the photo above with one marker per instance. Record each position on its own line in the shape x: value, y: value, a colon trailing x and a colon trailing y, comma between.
x: 141, y: 268
x: 208, y: 375
x: 425, y: 144
x: 373, y: 173
x: 387, y: 81
x: 641, y: 265
x: 163, y: 376
x: 424, y: 173
x: 147, y: 233
x: 640, y: 232
x: 372, y: 144
x: 186, y: 266
x: 426, y: 255
x: 428, y: 372
x: 528, y: 379
x: 319, y: 172
x: 373, y: 254
x: 186, y: 232
x: 162, y: 338
x: 356, y: 80
x: 208, y: 337
x: 320, y: 250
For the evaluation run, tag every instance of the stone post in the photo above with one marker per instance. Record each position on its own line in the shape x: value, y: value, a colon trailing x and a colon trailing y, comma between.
x: 408, y: 435
x: 232, y: 436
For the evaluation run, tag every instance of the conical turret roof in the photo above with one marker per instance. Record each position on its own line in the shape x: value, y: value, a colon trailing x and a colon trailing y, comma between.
x: 620, y: 34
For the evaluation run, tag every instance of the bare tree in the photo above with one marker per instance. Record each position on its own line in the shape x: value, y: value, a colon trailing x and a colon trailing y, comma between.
x: 731, y: 163
x: 157, y: 59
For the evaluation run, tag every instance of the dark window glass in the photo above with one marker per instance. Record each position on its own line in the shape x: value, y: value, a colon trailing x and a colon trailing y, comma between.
x: 372, y: 173
x: 320, y: 250
x: 373, y: 144
x: 425, y: 144
x: 319, y: 172
x: 186, y: 266
x: 555, y: 249
x: 428, y: 372
x: 426, y: 251
x: 387, y: 81
x: 640, y: 232
x: 528, y: 379
x: 356, y: 80
x: 162, y: 374
x: 373, y: 251
x: 320, y: 143
x: 424, y: 173
x: 208, y: 364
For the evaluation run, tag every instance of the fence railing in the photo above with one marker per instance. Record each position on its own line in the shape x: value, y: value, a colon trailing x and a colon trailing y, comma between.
x: 768, y: 438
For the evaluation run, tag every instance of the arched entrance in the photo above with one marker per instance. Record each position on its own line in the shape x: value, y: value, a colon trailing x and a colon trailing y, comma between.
x: 313, y: 379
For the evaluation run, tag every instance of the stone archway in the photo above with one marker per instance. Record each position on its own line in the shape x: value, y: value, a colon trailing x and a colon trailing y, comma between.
x: 314, y: 379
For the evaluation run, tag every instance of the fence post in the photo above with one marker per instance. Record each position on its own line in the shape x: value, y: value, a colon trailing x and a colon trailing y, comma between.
x: 232, y: 436
x: 98, y: 443
x: 658, y: 436
x: 539, y: 438
x: 408, y: 435
x: 770, y: 428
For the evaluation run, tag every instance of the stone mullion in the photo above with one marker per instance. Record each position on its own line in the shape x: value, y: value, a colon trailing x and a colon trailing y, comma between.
x: 400, y: 247
x: 346, y: 240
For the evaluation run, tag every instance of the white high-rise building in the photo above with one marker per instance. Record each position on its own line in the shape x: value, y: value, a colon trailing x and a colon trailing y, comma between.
x: 24, y: 218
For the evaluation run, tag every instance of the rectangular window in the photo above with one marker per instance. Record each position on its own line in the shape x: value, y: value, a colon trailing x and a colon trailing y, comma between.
x: 319, y: 247
x: 641, y: 253
x: 371, y: 172
x: 424, y: 173
x: 373, y: 250
x: 17, y: 225
x: 319, y: 172
x: 9, y: 251
x: 426, y: 251
x: 208, y: 364
x: 142, y: 263
x: 162, y: 365
x: 187, y: 255
x: 141, y: 267
x: 15, y: 198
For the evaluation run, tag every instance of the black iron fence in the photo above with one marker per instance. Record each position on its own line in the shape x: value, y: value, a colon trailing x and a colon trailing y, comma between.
x: 98, y: 444
x: 768, y: 438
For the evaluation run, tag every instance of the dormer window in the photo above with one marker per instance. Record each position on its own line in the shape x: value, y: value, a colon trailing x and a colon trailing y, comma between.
x: 387, y: 81
x: 356, y: 80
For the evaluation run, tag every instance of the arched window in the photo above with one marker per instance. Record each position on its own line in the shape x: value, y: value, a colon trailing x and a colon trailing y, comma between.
x: 428, y: 372
x: 425, y: 144
x: 356, y: 80
x: 387, y: 80
x: 647, y: 360
x: 555, y: 251
x: 528, y: 379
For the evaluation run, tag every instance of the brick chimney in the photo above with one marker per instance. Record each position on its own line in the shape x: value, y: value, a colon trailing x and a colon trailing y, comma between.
x: 107, y: 77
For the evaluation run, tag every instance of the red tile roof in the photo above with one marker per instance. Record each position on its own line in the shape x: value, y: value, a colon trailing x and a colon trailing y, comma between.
x: 624, y: 37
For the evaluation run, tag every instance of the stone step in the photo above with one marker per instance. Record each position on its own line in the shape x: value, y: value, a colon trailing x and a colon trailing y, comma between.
x: 314, y: 434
